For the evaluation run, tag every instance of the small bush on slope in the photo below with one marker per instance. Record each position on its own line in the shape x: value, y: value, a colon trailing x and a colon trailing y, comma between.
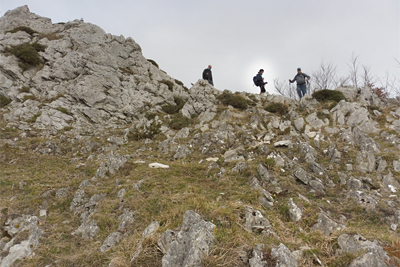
x: 173, y: 109
x: 277, y: 108
x: 27, y: 54
x: 328, y: 95
x: 4, y: 101
x: 235, y: 101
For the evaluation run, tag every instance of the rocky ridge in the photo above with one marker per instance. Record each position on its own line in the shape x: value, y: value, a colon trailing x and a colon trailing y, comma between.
x: 103, y: 155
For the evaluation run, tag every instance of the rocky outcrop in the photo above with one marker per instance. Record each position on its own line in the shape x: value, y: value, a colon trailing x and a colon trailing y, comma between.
x: 89, y: 75
x: 190, y: 244
x: 24, y: 226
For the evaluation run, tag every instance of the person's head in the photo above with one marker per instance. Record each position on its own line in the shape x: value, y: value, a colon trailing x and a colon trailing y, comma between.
x: 209, y: 66
x: 298, y: 70
x: 261, y: 71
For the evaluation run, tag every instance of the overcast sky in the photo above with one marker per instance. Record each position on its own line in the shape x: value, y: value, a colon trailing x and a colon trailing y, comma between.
x: 239, y: 37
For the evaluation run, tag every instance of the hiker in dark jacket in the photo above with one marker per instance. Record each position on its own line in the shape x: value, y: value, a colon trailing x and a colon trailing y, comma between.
x: 259, y: 81
x: 301, y: 79
x: 207, y: 75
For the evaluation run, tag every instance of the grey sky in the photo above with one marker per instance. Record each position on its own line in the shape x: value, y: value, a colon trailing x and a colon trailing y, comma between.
x: 239, y: 37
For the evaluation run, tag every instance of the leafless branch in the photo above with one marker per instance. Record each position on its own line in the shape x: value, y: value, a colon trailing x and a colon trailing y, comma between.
x: 285, y: 89
x: 324, y: 77
x: 353, y: 66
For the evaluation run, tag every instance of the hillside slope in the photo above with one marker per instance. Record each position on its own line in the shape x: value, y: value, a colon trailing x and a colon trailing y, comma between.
x: 108, y: 161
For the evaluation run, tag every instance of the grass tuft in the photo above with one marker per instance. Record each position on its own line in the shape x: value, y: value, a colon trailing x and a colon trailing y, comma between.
x: 153, y: 62
x: 179, y: 122
x: 24, y: 29
x: 169, y: 84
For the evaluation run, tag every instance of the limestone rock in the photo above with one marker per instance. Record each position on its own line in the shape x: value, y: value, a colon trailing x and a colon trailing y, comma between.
x: 365, y: 161
x: 202, y: 98
x: 257, y: 257
x: 299, y: 124
x: 113, y: 163
x: 88, y: 229
x: 310, y: 154
x: 110, y: 241
x: 240, y: 167
x: 255, y: 221
x: 182, y: 151
x: 295, y: 212
x: 149, y: 231
x: 357, y: 243
x: 374, y: 256
x: 283, y: 256
x: 326, y: 225
x: 264, y: 173
x: 369, y: 259
x: 284, y: 143
x: 354, y: 183
x: 126, y: 218
x: 317, y: 185
x: 363, y: 199
x: 48, y: 148
x: 302, y: 175
x: 190, y: 244
x: 156, y: 165
x: 315, y: 122
x: 350, y: 93
x: 390, y: 183
x: 16, y: 227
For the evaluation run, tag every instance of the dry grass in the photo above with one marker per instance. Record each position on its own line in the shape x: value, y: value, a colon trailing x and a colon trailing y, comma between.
x: 166, y: 195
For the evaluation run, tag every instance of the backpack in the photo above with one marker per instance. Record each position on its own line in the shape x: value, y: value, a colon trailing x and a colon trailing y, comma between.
x: 256, y: 81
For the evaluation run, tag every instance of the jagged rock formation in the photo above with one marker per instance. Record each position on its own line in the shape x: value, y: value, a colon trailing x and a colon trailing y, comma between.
x: 103, y: 153
x: 89, y: 75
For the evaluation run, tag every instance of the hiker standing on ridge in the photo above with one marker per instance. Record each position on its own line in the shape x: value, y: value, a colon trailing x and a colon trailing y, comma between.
x: 301, y: 79
x: 259, y: 81
x: 207, y: 75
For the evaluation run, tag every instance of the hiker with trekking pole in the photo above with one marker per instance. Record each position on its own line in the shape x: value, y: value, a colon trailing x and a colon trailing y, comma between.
x: 259, y: 81
x: 301, y: 79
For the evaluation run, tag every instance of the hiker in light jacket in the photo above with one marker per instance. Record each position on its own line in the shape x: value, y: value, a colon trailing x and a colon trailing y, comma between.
x: 207, y: 75
x: 301, y: 79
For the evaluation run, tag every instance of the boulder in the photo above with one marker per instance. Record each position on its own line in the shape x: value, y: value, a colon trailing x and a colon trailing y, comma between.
x: 255, y: 221
x: 110, y: 241
x: 151, y: 229
x: 23, y: 227
x: 112, y: 164
x: 283, y: 256
x: 299, y: 123
x: 188, y: 246
x: 295, y: 212
x: 363, y: 199
x: 374, y: 256
x: 326, y: 225
x: 302, y: 175
x: 315, y: 122
x: 126, y: 218
x: 156, y: 165
x: 264, y: 173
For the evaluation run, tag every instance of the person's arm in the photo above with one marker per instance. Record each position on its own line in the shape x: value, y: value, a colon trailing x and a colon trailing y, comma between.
x: 305, y: 75
x: 294, y: 79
